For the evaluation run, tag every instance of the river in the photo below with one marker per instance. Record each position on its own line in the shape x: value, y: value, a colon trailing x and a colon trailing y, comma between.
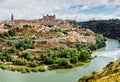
x: 105, y: 55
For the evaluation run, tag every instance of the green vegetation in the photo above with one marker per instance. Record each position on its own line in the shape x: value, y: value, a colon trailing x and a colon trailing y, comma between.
x: 8, y: 25
x: 25, y: 69
x: 56, y: 30
x: 74, y: 23
x: 100, y: 41
x: 7, y: 35
x: 27, y: 26
x: 66, y: 31
x: 5, y: 56
x: 25, y: 54
x: 110, y: 73
x: 3, y: 66
x: 86, y: 27
x: 66, y: 57
x: 23, y: 44
x: 108, y: 28
x: 12, y: 32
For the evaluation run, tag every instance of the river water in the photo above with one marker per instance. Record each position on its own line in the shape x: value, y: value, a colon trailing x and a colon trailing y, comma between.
x: 104, y: 56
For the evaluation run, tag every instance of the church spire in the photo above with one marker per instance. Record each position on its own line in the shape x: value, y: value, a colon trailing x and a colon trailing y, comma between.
x: 12, y: 18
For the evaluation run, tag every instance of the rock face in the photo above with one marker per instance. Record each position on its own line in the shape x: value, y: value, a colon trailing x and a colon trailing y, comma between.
x: 111, y: 73
x: 110, y: 28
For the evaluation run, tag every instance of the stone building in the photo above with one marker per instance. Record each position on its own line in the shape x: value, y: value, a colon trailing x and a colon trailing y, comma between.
x: 46, y: 21
x: 21, y: 23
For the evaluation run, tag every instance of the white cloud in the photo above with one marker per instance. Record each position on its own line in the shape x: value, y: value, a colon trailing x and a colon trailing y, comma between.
x: 32, y: 9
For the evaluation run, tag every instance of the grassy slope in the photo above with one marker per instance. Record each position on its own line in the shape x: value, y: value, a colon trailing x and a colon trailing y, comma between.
x: 111, y: 73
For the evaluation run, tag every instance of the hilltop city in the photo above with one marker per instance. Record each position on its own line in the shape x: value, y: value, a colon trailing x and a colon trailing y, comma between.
x: 45, y: 44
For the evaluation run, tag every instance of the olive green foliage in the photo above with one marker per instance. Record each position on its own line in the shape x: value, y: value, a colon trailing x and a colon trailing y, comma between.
x: 100, y: 41
x: 74, y: 23
x: 6, y: 35
x: 66, y: 31
x: 27, y: 56
x: 74, y: 59
x: 27, y: 26
x: 20, y: 61
x: 56, y: 30
x: 10, y: 43
x: 12, y: 32
x: 34, y: 63
x: 8, y: 25
x: 13, y: 50
x: 24, y: 44
x: 5, y: 56
x: 85, y: 27
x: 66, y: 57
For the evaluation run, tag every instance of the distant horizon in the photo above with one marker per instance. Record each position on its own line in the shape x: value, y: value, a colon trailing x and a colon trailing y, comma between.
x: 56, y: 18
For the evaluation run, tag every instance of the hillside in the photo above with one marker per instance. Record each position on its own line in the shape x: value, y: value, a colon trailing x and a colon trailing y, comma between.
x: 111, y: 73
x: 109, y: 28
x: 31, y: 45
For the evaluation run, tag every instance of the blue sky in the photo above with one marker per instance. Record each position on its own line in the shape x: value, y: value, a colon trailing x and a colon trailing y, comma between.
x: 81, y: 10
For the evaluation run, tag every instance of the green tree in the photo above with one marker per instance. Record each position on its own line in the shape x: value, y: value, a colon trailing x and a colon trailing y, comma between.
x: 27, y: 56
x: 12, y: 32
x: 20, y: 61
x: 64, y: 62
x: 74, y: 23
x: 34, y: 64
x: 84, y: 55
x: 74, y: 60
x: 48, y: 60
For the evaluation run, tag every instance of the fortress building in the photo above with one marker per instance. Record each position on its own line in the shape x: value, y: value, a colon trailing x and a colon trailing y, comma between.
x: 46, y: 21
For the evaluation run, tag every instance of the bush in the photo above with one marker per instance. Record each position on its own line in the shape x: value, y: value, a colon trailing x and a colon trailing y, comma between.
x: 34, y: 64
x: 66, y: 31
x: 8, y: 25
x: 100, y: 41
x: 74, y: 23
x: 27, y: 26
x: 84, y: 55
x: 74, y: 60
x: 48, y: 60
x: 3, y: 66
x: 64, y: 62
x: 20, y: 61
x: 12, y: 32
x: 56, y: 30
x: 24, y: 44
x: 27, y: 56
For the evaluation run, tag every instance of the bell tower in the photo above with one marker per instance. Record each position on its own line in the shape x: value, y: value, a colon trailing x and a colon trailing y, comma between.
x: 12, y: 18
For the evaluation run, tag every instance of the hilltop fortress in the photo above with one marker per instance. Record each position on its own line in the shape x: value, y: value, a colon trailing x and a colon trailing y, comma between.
x: 46, y: 21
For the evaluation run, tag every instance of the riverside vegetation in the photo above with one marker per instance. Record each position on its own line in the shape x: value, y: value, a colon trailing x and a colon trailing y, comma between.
x: 109, y: 28
x: 108, y: 74
x: 21, y: 51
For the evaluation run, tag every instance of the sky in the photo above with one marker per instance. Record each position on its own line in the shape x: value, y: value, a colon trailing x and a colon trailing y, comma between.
x: 80, y: 10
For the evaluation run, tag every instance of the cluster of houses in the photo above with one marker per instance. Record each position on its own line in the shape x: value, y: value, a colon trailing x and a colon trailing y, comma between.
x: 46, y: 21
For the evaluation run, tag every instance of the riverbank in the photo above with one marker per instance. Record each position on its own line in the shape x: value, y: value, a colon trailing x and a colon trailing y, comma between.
x: 42, y: 68
x: 103, y: 57
x: 109, y: 74
x: 22, y: 69
x: 56, y: 48
x: 56, y: 58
